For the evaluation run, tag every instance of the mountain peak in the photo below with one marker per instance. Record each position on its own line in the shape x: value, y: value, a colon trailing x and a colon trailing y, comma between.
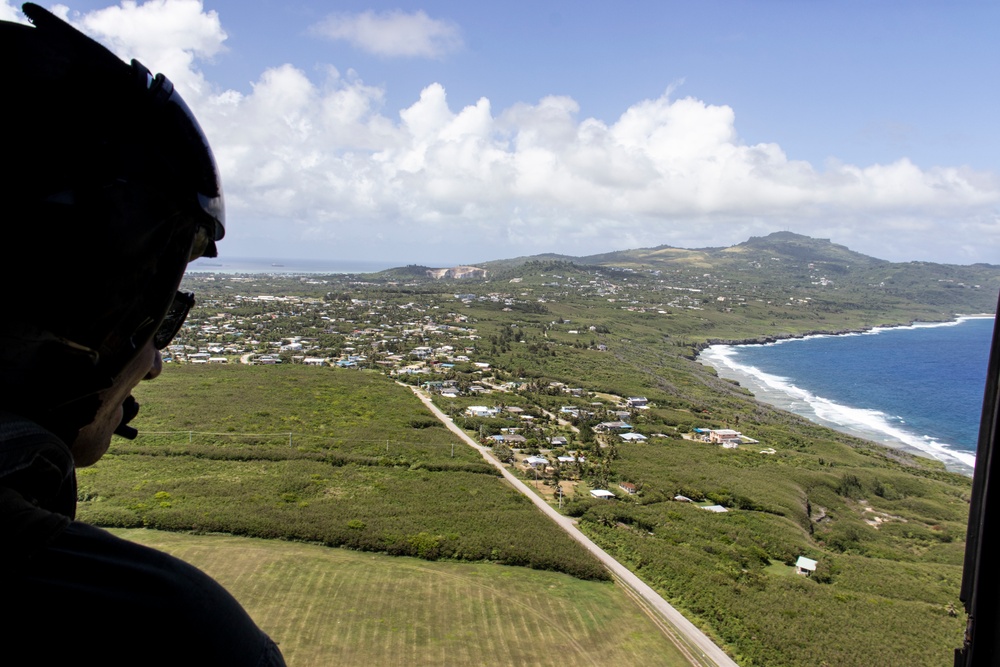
x: 804, y: 249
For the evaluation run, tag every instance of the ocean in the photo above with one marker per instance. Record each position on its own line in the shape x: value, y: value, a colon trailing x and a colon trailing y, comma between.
x: 918, y: 388
x: 285, y: 266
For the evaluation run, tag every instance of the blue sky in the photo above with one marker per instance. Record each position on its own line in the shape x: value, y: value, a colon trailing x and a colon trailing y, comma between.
x: 446, y: 132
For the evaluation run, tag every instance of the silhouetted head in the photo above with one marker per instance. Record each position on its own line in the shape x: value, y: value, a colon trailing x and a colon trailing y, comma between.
x: 111, y: 189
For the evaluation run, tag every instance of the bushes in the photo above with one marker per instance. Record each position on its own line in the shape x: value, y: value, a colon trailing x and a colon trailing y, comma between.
x: 870, y: 582
x: 710, y: 568
x: 365, y: 470
x: 437, y: 510
x: 850, y: 487
x: 445, y: 466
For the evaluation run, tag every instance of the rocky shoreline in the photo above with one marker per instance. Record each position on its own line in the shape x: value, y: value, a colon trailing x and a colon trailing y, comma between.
x: 774, y: 338
x: 781, y: 399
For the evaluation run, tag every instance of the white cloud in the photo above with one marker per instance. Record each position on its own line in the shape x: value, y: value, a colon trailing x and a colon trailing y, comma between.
x: 165, y: 35
x: 13, y: 13
x: 393, y: 33
x: 536, y: 178
x: 318, y: 168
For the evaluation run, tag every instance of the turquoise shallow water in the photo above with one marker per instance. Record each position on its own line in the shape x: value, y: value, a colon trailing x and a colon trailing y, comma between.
x: 918, y: 387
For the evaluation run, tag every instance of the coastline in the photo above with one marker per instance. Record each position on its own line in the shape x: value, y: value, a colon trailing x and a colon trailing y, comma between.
x: 864, y: 423
x: 820, y: 333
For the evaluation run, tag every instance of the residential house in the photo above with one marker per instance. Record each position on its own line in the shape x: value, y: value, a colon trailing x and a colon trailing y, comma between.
x: 805, y: 566
x: 724, y: 436
x: 536, y: 461
x: 607, y: 427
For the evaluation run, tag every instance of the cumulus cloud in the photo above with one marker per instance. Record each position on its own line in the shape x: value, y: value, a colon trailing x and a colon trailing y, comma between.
x: 314, y: 166
x: 165, y: 35
x: 538, y: 178
x: 12, y: 13
x: 393, y: 33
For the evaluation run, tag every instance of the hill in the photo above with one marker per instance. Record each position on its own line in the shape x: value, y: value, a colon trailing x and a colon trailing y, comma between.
x: 784, y: 266
x: 549, y: 349
x: 783, y: 262
x: 799, y: 248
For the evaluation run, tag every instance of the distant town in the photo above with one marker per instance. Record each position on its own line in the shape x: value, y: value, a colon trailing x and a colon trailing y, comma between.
x: 420, y: 336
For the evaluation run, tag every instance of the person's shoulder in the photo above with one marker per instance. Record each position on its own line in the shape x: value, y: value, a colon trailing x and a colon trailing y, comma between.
x: 136, y: 604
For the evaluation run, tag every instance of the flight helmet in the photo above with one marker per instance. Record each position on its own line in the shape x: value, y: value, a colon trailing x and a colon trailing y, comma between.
x: 112, y: 189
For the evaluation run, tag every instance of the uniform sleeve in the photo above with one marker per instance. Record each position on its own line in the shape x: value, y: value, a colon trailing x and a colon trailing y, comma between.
x: 91, y: 594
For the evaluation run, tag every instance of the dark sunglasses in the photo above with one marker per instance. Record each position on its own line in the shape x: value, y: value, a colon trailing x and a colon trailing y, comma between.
x: 173, y: 320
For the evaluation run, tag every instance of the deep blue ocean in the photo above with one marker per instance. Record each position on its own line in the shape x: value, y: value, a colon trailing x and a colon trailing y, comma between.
x: 918, y: 387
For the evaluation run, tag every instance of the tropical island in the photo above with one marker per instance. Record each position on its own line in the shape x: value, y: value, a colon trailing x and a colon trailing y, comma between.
x: 288, y: 411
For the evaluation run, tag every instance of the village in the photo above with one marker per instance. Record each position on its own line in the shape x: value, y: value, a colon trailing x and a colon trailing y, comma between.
x: 553, y: 433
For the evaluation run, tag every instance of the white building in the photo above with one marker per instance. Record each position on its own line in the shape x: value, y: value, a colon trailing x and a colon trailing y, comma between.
x: 805, y: 566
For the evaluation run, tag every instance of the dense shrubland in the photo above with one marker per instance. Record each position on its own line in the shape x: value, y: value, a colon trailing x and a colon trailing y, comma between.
x: 358, y: 475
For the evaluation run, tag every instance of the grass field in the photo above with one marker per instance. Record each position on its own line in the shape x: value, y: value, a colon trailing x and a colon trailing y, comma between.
x: 336, y: 485
x: 339, y: 607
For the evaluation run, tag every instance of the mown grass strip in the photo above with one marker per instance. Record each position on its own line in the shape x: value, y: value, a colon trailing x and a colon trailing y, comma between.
x: 332, y: 606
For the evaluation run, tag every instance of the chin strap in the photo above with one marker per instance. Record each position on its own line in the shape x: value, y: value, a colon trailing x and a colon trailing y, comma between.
x: 130, y: 408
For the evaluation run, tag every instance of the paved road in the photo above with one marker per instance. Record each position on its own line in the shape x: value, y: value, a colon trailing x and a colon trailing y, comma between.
x: 705, y: 651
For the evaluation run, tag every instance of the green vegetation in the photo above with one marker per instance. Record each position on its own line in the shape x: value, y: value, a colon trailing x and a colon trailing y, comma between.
x: 326, y: 606
x: 351, y: 458
x: 892, y: 580
x: 347, y: 484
